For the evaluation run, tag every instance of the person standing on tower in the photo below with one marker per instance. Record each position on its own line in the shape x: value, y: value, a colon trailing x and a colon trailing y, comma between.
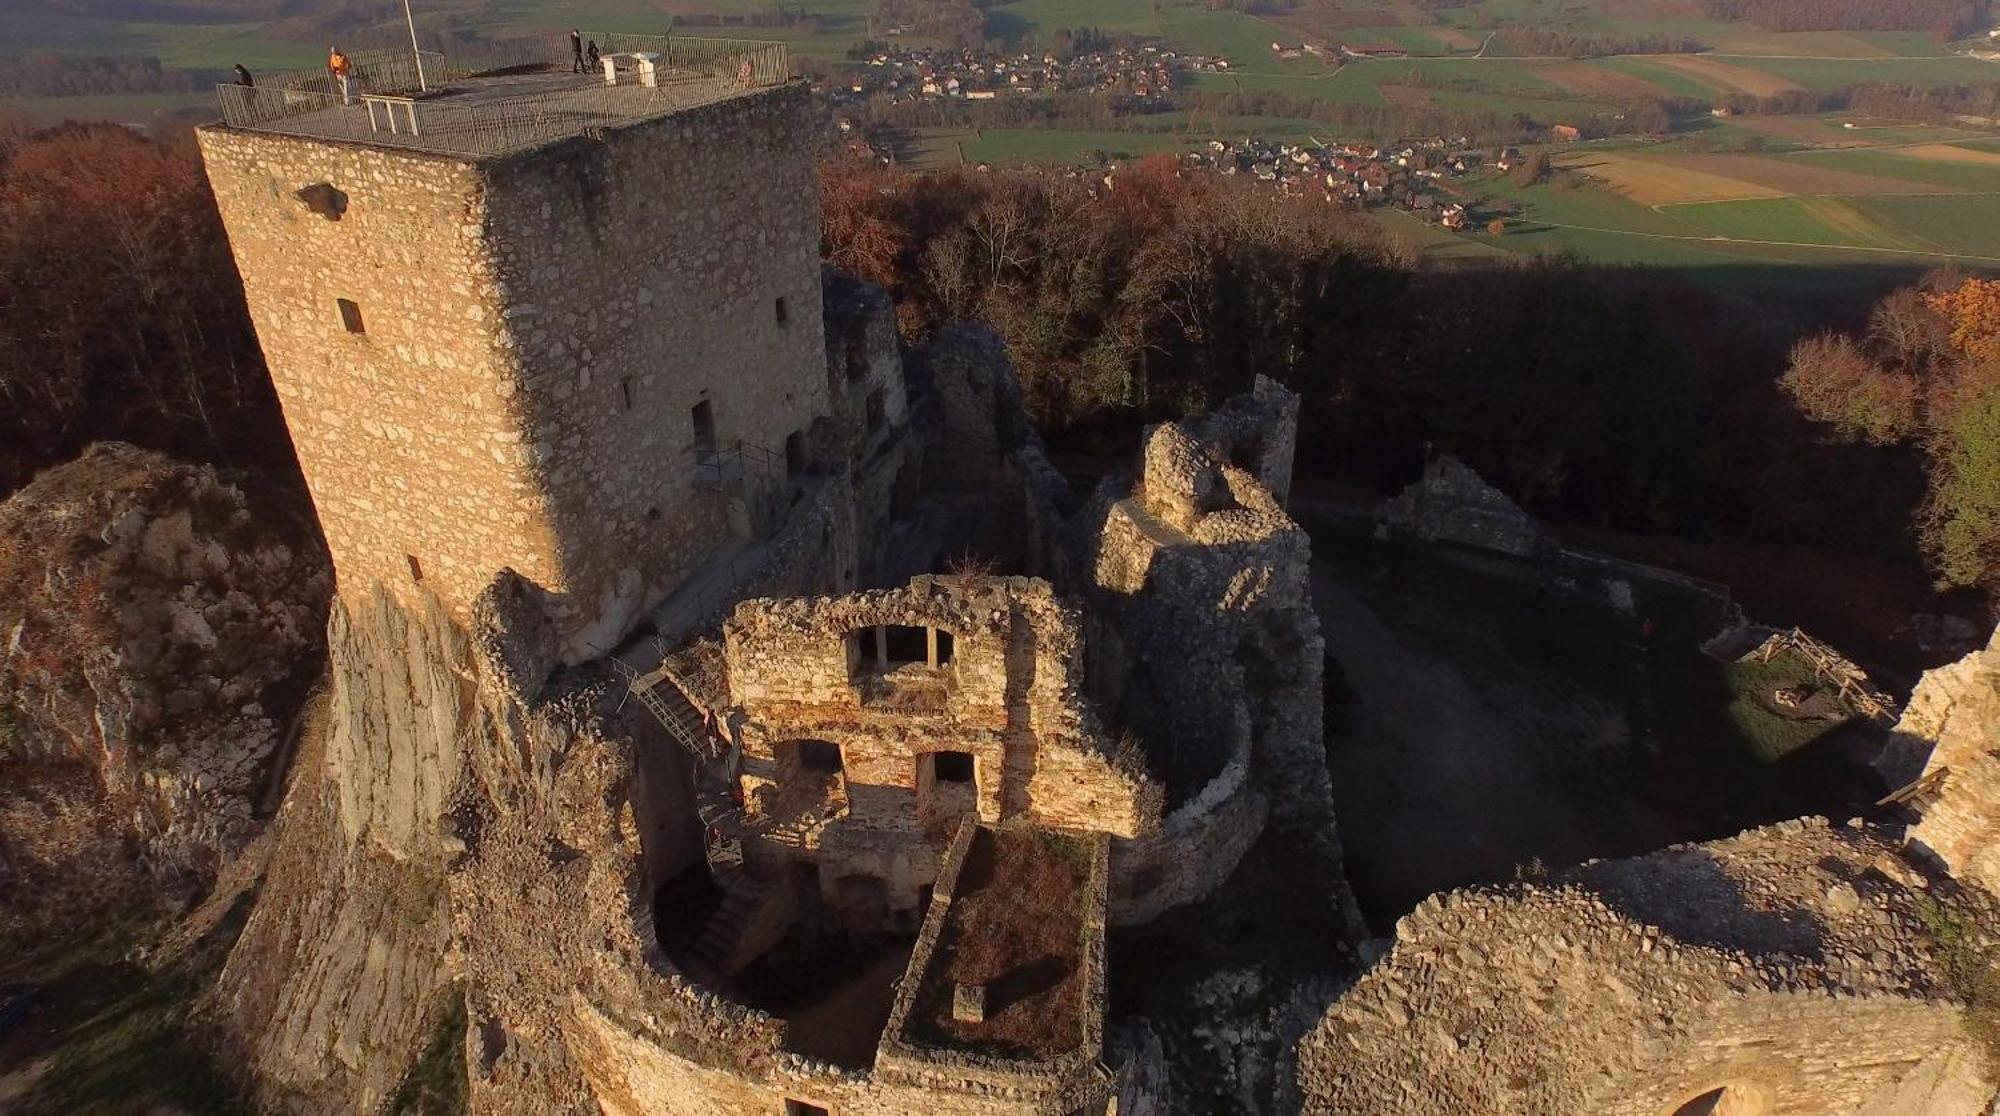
x: 591, y: 57
x: 575, y: 51
x: 243, y: 77
x: 343, y: 73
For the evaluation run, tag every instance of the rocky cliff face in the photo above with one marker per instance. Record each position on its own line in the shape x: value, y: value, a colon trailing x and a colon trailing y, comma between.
x: 442, y: 837
x: 1949, y: 734
x: 155, y: 640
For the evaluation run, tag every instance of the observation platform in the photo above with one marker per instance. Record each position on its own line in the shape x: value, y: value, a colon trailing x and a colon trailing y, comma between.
x: 509, y: 98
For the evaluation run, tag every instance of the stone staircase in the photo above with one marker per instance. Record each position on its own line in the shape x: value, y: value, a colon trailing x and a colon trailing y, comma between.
x: 710, y: 960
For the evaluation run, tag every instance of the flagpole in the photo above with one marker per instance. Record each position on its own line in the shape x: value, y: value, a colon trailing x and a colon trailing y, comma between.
x: 416, y: 50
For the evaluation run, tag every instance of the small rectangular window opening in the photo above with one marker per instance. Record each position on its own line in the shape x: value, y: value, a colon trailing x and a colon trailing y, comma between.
x: 906, y: 643
x: 801, y: 1108
x: 951, y: 767
x: 943, y: 647
x: 819, y: 755
x: 870, y: 646
x: 780, y: 308
x: 350, y: 315
x: 416, y: 568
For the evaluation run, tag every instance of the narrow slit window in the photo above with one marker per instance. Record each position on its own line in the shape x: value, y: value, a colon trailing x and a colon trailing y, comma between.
x: 703, y: 419
x: 350, y: 315
x: 625, y: 391
x: 795, y: 455
x: 779, y: 309
x: 416, y: 568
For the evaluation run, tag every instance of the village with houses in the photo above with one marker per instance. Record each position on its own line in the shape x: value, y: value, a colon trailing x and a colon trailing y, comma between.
x: 905, y: 74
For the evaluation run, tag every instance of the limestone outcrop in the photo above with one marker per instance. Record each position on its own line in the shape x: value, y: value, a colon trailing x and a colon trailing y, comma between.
x: 1947, y: 737
x: 1790, y: 969
x: 158, y: 637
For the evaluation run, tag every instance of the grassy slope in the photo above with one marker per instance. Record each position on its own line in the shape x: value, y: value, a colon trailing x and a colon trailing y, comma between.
x: 113, y: 1038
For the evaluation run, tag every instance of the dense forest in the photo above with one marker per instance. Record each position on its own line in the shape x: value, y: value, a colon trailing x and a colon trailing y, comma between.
x: 1946, y: 18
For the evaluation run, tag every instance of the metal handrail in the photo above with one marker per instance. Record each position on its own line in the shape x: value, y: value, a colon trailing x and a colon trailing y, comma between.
x: 497, y: 125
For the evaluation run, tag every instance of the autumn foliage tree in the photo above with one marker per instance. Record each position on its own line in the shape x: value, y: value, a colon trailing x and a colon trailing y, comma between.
x: 1142, y: 288
x: 1926, y: 373
x: 120, y: 312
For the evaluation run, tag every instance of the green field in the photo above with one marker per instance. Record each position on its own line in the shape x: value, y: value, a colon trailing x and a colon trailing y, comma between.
x: 1812, y: 223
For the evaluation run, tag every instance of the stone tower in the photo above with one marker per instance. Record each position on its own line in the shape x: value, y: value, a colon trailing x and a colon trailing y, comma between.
x: 565, y: 334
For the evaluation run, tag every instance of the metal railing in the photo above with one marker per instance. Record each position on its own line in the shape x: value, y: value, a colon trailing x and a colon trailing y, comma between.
x: 751, y: 62
x: 386, y: 71
x: 494, y: 122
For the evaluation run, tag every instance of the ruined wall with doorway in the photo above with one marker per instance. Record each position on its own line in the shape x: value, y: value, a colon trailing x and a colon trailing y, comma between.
x: 871, y: 724
x: 1786, y: 970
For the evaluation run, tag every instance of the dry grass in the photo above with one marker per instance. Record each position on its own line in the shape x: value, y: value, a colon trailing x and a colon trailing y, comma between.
x: 1015, y: 927
x: 1407, y: 96
x: 1949, y: 153
x: 1724, y: 77
x: 1797, y: 176
x: 1648, y: 181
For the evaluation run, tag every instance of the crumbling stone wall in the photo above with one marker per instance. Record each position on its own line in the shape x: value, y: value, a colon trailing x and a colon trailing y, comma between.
x: 1009, y: 697
x: 1204, y: 577
x: 1198, y: 845
x: 1947, y: 736
x: 1452, y: 504
x: 1790, y: 963
x: 1257, y: 432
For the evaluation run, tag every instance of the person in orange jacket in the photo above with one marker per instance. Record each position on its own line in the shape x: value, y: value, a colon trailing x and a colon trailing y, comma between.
x: 343, y: 73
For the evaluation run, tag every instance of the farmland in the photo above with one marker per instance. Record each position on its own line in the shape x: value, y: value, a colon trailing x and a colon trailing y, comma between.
x: 1797, y: 189
x: 1916, y: 204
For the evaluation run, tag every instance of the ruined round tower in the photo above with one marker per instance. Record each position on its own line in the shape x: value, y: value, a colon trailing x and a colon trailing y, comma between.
x: 546, y: 330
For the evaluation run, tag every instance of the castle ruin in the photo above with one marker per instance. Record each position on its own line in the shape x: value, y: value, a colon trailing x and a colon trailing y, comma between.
x: 737, y: 713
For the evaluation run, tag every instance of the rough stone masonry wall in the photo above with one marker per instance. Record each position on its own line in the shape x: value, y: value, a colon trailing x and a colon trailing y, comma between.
x: 1012, y: 701
x: 1791, y: 962
x: 673, y: 262
x: 412, y: 434
x: 1198, y: 845
x: 1952, y: 726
